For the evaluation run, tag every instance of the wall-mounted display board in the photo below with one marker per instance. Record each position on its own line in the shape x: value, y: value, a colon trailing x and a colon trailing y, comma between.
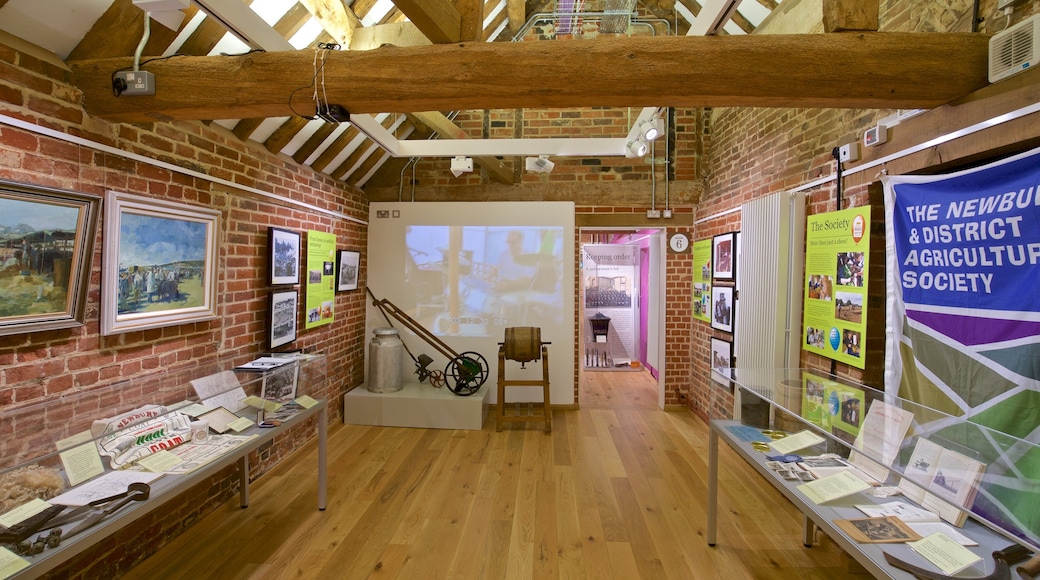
x: 702, y: 280
x: 320, y: 278
x: 837, y: 251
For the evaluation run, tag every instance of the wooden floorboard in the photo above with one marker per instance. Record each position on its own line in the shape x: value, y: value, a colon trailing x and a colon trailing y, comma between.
x: 616, y: 491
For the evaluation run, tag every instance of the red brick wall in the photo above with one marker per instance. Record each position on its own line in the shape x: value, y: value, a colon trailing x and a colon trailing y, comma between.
x: 42, y: 365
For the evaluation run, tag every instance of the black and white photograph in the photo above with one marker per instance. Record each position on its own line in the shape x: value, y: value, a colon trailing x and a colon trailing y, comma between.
x: 283, y: 322
x: 721, y: 360
x: 347, y: 271
x: 722, y: 308
x: 280, y: 383
x: 724, y: 256
x: 284, y: 259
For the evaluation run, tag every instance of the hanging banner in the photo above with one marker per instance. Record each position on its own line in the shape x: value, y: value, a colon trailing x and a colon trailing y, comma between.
x: 321, y: 278
x: 963, y: 329
x: 837, y: 248
x: 702, y: 280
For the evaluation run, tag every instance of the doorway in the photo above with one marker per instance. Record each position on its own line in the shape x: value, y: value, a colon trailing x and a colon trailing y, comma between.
x: 621, y: 318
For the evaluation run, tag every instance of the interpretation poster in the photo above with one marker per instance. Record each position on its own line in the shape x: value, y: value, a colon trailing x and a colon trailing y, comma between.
x: 702, y: 280
x: 836, y: 253
x: 321, y: 277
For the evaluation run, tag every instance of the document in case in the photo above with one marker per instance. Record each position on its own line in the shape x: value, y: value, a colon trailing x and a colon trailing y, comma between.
x: 909, y: 513
x: 220, y: 390
x: 795, y: 442
x: 80, y: 458
x: 159, y: 462
x: 824, y: 466
x: 219, y: 419
x: 944, y: 553
x: 23, y: 512
x: 929, y: 528
x: 942, y: 480
x: 10, y: 563
x: 264, y: 363
x: 107, y: 485
x: 884, y: 530
x: 833, y: 487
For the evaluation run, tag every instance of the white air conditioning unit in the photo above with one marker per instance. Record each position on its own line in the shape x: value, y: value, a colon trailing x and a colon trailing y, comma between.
x: 1015, y: 49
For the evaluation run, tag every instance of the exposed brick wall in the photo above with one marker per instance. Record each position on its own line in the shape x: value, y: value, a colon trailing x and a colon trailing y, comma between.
x: 42, y: 365
x: 756, y: 152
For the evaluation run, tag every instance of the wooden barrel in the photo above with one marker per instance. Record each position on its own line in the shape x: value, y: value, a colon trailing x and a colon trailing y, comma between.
x: 523, y: 343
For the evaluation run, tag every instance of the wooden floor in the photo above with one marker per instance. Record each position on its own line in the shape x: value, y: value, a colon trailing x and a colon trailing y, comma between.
x: 617, y: 491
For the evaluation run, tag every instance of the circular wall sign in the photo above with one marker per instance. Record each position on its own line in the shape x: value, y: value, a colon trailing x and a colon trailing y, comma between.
x: 679, y: 243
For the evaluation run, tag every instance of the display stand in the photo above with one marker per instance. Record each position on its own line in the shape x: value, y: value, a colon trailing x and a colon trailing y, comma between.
x: 168, y: 390
x: 792, y: 402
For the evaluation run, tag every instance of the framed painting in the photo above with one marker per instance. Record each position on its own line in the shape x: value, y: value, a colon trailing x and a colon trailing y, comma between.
x: 283, y: 317
x: 722, y: 308
x: 348, y: 263
x: 721, y: 360
x: 284, y: 259
x: 724, y: 256
x: 160, y: 266
x: 46, y: 251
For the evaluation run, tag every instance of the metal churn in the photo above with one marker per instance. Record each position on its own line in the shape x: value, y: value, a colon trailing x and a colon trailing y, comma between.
x: 384, y: 358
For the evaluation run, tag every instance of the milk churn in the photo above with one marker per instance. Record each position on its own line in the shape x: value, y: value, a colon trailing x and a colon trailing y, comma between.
x: 385, y: 354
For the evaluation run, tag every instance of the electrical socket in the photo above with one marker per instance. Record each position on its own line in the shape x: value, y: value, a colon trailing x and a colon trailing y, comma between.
x: 667, y: 214
x: 133, y: 82
x: 653, y: 214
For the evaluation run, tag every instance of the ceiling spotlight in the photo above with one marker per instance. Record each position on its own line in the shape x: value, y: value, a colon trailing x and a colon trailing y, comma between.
x: 540, y: 164
x: 637, y: 148
x: 461, y: 164
x: 650, y: 129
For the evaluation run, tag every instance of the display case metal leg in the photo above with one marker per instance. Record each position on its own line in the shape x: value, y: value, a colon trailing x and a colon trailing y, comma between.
x: 243, y: 481
x: 713, y: 484
x: 323, y: 425
x: 808, y: 532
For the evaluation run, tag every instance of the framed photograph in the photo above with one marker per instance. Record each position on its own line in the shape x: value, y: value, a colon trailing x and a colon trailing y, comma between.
x: 280, y: 383
x: 46, y: 251
x: 160, y: 263
x: 722, y: 308
x: 724, y: 256
x: 284, y: 257
x: 348, y: 263
x: 721, y: 360
x: 284, y: 307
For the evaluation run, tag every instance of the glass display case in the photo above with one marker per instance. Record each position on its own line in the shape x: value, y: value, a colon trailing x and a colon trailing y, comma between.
x: 977, y: 480
x: 76, y: 467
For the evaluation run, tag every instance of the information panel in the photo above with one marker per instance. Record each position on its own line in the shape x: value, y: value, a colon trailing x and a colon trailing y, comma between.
x: 702, y: 280
x: 321, y: 277
x: 836, y: 253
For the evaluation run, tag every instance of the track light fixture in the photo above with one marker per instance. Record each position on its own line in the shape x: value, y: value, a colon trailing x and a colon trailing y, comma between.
x: 461, y: 164
x: 637, y: 148
x: 540, y: 164
x: 649, y: 129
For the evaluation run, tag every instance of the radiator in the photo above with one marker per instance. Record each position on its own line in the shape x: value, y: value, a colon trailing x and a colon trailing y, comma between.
x: 767, y: 332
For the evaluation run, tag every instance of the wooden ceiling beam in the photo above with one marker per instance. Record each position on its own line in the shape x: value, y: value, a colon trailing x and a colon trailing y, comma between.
x: 102, y: 42
x: 284, y: 134
x: 335, y: 18
x: 397, y: 34
x: 878, y: 71
x: 471, y: 20
x: 437, y: 19
x: 847, y: 15
x: 313, y: 142
x: 517, y: 10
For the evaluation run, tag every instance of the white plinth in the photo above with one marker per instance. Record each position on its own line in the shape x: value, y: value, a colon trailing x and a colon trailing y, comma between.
x: 417, y: 405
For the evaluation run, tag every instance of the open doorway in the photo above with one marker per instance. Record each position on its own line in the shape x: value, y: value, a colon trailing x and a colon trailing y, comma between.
x: 621, y: 318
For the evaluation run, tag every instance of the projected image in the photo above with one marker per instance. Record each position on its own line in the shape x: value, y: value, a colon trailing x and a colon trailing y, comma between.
x: 478, y: 280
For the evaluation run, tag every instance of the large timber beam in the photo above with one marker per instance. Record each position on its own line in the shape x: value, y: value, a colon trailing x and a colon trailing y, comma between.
x: 851, y: 70
x: 437, y: 19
